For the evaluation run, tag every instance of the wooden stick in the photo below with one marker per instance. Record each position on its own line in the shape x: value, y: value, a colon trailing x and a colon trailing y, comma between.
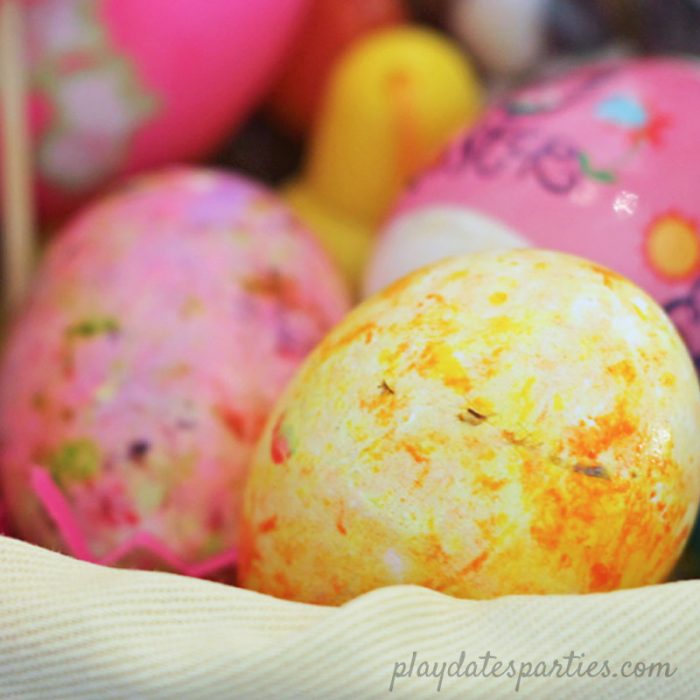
x: 17, y: 197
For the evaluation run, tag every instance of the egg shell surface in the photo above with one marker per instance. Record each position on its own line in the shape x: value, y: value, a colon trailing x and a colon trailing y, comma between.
x: 120, y: 86
x: 162, y: 326
x: 519, y: 422
x: 602, y: 163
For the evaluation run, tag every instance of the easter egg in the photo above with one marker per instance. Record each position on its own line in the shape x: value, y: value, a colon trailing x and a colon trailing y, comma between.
x: 329, y: 27
x: 601, y: 163
x: 162, y: 326
x: 506, y: 422
x: 119, y: 86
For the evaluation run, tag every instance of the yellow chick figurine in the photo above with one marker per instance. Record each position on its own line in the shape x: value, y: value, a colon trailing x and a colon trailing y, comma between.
x: 395, y: 98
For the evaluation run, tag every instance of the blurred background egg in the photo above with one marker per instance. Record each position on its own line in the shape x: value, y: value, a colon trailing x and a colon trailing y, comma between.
x: 163, y: 324
x: 519, y: 422
x: 119, y: 86
x: 393, y: 101
x: 602, y: 162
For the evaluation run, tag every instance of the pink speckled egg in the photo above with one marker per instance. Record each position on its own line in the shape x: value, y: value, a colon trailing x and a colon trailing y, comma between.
x: 119, y: 86
x: 163, y: 324
x: 603, y: 163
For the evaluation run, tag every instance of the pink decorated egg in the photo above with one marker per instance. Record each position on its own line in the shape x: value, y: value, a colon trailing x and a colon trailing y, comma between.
x: 162, y: 326
x: 603, y: 163
x: 118, y: 86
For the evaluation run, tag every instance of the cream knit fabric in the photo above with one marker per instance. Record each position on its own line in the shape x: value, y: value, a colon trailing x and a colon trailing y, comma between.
x: 74, y: 630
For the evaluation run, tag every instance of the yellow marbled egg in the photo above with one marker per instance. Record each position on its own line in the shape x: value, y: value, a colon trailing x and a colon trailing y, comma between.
x: 500, y: 423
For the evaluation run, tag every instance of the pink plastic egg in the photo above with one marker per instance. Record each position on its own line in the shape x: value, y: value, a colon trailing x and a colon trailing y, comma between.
x: 603, y: 162
x: 163, y: 325
x: 119, y: 86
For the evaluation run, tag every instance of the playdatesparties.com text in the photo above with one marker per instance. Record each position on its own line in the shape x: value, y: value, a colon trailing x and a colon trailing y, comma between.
x: 487, y: 665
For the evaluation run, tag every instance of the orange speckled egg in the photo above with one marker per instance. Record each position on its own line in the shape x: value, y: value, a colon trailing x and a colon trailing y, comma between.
x: 500, y: 423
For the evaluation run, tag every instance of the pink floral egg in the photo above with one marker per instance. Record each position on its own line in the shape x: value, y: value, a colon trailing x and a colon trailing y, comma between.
x: 603, y: 163
x: 119, y: 86
x: 163, y: 324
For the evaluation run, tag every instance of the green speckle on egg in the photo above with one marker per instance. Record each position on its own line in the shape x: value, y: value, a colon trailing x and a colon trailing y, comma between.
x: 92, y: 327
x: 213, y: 545
x: 150, y: 496
x: 75, y: 461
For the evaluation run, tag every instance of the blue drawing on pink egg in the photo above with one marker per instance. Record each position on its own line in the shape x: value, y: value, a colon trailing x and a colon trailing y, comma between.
x: 641, y: 125
x: 623, y: 110
x: 513, y: 139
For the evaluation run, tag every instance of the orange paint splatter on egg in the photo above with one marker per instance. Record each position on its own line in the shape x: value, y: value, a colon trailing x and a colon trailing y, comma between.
x: 547, y: 528
x: 623, y: 369
x: 383, y: 402
x: 285, y: 589
x: 364, y: 330
x: 415, y: 453
x: 390, y: 358
x: 475, y: 564
x: 610, y: 277
x: 433, y: 296
x: 268, y: 525
x: 438, y: 362
x: 490, y: 484
x: 603, y: 578
x: 589, y: 440
x: 434, y: 550
x: 247, y: 549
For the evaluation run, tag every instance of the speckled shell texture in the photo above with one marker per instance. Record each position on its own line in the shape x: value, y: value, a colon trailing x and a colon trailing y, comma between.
x: 164, y: 323
x: 501, y: 423
x: 602, y: 162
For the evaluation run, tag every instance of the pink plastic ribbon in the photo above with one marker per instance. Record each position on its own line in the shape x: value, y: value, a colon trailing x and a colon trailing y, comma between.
x: 60, y: 512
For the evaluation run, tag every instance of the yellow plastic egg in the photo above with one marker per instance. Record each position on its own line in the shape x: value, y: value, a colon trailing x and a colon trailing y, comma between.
x: 520, y: 422
x: 394, y: 101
